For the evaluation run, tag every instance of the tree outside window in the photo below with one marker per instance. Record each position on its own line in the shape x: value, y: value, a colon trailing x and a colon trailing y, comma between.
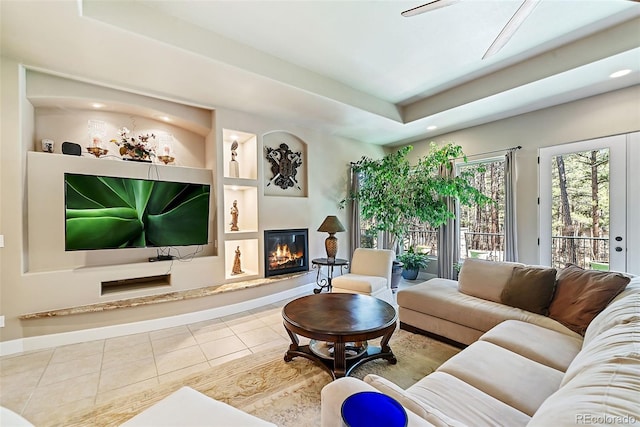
x: 580, y: 209
x: 482, y: 227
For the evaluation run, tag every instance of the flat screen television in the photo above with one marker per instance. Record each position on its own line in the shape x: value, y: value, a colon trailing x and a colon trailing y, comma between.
x: 103, y: 212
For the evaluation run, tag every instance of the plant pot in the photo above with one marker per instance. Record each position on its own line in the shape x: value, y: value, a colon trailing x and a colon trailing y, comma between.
x: 396, y: 274
x: 410, y: 274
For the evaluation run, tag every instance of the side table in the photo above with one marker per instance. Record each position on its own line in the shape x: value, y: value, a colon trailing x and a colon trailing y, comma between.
x: 325, y: 282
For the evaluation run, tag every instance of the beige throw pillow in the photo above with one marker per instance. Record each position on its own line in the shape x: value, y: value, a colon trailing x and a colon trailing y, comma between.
x: 530, y: 288
x: 484, y: 279
x: 582, y: 294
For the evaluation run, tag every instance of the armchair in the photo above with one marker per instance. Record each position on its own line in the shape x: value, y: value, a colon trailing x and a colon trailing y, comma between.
x: 370, y: 274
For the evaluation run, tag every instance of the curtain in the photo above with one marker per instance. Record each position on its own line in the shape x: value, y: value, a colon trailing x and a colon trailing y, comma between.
x: 510, y: 224
x: 449, y: 234
x: 354, y: 235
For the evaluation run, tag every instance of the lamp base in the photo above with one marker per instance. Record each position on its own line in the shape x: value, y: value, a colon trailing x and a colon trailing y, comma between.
x: 331, y: 246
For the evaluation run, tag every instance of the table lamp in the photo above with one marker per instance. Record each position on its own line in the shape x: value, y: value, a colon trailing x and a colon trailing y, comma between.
x: 331, y: 225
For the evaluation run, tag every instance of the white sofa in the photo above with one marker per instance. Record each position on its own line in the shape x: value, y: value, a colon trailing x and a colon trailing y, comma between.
x: 529, y: 370
x: 187, y: 407
x: 8, y: 418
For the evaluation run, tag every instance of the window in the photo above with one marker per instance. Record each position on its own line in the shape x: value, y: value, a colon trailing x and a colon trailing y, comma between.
x: 482, y: 228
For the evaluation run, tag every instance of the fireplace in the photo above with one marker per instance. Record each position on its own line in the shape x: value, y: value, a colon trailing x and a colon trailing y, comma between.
x: 285, y: 251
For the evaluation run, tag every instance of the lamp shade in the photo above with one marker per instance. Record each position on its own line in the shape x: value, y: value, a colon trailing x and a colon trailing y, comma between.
x: 331, y: 224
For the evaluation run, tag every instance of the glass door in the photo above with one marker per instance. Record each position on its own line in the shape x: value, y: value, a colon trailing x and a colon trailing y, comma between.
x: 582, y: 204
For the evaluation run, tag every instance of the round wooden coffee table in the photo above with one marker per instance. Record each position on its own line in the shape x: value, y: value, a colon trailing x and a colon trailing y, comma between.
x: 342, y: 323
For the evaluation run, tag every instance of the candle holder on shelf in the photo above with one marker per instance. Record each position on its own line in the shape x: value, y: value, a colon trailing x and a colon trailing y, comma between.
x: 97, y: 130
x: 97, y: 151
x: 166, y: 142
x: 166, y: 159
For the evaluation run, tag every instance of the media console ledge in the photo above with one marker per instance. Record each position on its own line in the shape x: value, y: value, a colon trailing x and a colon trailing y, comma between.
x: 159, y: 298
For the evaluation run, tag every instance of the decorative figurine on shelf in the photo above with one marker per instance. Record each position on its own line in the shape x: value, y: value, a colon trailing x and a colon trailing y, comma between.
x: 237, y: 268
x: 234, y: 216
x: 234, y: 167
x: 47, y: 145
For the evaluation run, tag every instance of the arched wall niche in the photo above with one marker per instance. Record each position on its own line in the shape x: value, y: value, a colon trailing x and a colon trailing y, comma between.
x: 285, y: 165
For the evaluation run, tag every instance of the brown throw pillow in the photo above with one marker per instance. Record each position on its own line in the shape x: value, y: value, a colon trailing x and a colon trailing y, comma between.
x: 582, y: 294
x: 530, y: 288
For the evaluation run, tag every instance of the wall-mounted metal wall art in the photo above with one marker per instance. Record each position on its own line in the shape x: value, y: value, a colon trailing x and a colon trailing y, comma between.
x: 284, y: 166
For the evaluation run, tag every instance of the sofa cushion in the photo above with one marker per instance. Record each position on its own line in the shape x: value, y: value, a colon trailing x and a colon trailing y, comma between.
x: 359, y: 283
x: 188, y: 407
x: 618, y: 343
x: 501, y: 374
x: 418, y: 407
x: 334, y: 394
x: 582, y: 294
x: 551, y: 348
x: 466, y: 403
x: 484, y: 279
x: 624, y: 308
x: 604, y: 394
x: 530, y: 288
x: 440, y: 298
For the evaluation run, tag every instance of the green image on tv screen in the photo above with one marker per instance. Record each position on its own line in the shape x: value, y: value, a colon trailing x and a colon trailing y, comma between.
x: 104, y: 212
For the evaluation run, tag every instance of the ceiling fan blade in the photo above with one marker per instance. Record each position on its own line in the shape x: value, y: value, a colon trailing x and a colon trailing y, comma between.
x: 512, y: 26
x: 427, y: 7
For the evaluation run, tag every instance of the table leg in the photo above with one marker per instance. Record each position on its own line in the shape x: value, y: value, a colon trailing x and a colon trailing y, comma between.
x: 294, y: 346
x: 384, y: 347
x: 322, y: 283
x: 339, y: 359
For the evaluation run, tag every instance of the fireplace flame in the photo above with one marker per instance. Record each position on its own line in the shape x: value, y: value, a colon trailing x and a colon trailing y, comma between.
x: 283, y: 256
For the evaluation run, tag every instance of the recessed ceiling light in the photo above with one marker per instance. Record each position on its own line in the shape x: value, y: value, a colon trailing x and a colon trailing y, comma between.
x: 97, y: 105
x: 432, y: 127
x: 233, y: 137
x: 620, y: 73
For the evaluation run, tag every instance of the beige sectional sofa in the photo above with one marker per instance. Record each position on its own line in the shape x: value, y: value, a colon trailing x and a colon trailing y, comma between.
x: 520, y: 368
x: 461, y: 311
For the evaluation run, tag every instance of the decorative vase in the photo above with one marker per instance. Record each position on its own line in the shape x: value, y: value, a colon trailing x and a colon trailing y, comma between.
x: 410, y: 274
x: 134, y: 156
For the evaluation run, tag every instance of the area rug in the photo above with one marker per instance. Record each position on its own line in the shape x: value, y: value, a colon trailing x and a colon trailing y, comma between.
x: 263, y: 384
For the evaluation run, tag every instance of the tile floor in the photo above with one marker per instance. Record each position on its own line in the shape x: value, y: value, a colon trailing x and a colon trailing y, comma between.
x: 46, y: 384
x: 64, y: 379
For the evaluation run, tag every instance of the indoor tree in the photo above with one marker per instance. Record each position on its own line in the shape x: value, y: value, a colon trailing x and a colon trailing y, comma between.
x: 393, y: 192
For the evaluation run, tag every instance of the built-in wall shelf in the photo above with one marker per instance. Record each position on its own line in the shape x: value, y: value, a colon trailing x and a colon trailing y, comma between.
x: 160, y: 298
x: 240, y: 154
x: 134, y: 284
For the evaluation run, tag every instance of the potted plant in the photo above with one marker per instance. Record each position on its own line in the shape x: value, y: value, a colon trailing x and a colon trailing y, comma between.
x: 412, y: 263
x: 393, y: 193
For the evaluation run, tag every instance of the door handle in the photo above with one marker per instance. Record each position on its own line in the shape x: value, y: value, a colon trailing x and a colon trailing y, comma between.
x: 618, y: 238
x: 618, y: 249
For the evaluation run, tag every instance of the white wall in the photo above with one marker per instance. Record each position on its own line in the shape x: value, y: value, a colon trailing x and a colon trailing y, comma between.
x: 27, y: 288
x: 608, y: 114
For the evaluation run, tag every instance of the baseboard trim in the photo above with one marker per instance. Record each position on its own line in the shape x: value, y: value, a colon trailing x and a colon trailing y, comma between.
x: 54, y: 340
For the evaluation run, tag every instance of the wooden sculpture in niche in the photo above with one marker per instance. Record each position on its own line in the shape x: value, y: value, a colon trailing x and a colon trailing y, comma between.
x: 237, y: 268
x: 284, y: 166
x: 234, y: 216
x: 234, y: 167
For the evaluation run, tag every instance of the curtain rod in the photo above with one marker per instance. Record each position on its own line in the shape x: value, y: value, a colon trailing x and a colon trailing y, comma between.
x: 517, y: 147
